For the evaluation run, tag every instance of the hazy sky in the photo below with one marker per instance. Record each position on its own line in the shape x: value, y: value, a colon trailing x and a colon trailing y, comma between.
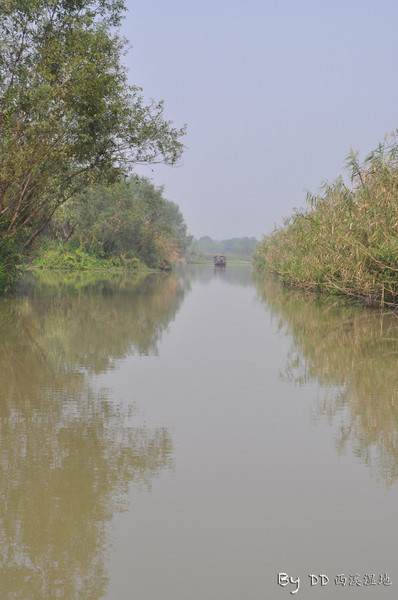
x: 274, y: 94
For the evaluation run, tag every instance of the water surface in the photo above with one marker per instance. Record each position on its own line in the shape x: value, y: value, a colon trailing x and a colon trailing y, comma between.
x: 191, y: 435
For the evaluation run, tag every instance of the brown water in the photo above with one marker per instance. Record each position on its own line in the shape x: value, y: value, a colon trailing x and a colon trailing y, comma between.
x: 191, y: 436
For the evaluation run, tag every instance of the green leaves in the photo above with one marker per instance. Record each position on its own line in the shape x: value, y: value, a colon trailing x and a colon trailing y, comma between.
x: 127, y: 220
x: 68, y: 117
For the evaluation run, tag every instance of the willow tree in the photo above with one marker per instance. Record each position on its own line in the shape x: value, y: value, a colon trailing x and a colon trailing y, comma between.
x: 68, y: 117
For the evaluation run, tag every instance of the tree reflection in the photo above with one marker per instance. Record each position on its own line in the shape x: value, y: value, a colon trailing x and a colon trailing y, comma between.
x: 352, y: 351
x: 88, y: 324
x: 69, y: 454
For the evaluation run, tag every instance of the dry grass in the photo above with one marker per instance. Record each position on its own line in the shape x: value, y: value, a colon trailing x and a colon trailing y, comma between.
x: 346, y: 242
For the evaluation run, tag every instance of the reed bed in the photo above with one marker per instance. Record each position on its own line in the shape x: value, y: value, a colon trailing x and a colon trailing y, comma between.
x: 346, y: 240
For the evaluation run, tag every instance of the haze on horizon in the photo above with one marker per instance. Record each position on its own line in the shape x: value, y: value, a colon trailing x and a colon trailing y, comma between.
x: 274, y: 95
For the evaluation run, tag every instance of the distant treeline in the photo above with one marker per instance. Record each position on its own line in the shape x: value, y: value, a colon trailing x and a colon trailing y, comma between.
x: 237, y: 247
x: 346, y: 242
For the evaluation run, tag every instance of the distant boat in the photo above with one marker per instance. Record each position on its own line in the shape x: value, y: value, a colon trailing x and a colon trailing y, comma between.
x: 220, y: 260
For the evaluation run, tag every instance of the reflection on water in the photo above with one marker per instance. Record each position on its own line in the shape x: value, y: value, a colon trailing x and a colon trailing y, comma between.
x: 89, y: 322
x: 68, y: 454
x: 353, y: 352
x: 65, y: 468
x: 244, y: 481
x: 233, y: 274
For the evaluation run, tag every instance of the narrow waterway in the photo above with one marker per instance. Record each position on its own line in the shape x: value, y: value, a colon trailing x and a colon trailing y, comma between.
x: 198, y: 435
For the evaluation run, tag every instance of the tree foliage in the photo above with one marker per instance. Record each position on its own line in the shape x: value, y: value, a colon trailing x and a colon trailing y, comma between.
x: 68, y: 117
x: 128, y: 220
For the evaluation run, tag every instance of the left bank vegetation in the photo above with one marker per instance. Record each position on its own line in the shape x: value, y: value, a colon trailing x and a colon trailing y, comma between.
x: 128, y: 224
x: 346, y: 241
x: 70, y: 124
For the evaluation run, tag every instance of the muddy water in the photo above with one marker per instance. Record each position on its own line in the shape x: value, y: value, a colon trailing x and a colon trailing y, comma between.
x: 197, y: 435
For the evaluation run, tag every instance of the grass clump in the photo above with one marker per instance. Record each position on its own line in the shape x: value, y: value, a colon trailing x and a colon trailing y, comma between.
x: 68, y: 258
x: 346, y: 241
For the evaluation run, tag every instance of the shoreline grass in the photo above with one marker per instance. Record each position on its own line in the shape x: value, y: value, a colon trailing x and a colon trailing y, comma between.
x: 66, y: 258
x: 346, y: 242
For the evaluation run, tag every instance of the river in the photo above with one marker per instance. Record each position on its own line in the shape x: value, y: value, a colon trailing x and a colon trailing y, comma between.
x: 204, y: 434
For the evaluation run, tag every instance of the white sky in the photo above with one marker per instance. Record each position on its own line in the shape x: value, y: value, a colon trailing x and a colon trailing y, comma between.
x: 274, y: 94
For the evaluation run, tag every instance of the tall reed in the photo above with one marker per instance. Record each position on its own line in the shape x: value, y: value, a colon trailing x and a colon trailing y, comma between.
x: 346, y: 241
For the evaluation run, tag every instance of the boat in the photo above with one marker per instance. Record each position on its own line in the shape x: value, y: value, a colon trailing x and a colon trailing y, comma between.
x: 220, y: 260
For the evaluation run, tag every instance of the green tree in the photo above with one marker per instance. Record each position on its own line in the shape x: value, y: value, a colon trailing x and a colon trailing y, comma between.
x: 128, y: 219
x: 68, y: 117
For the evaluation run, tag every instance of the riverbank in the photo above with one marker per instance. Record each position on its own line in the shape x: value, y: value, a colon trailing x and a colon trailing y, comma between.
x: 346, y: 242
x: 127, y: 225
